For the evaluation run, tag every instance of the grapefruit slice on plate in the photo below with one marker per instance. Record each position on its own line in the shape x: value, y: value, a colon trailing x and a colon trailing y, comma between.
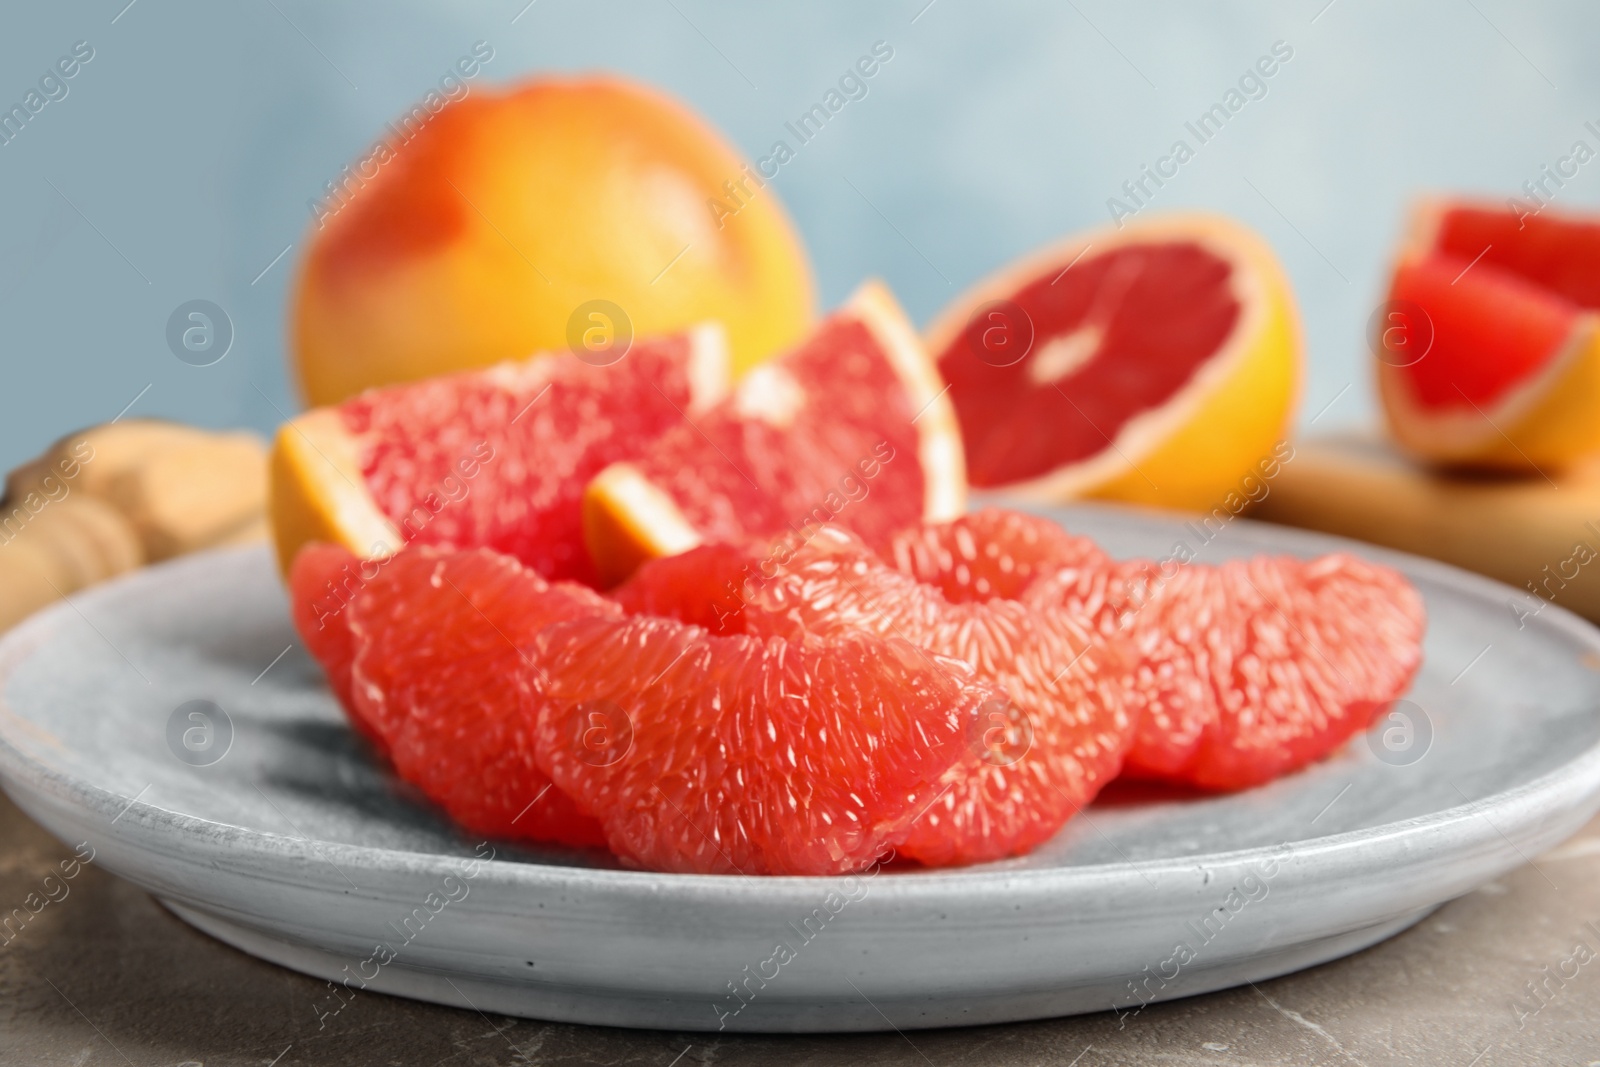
x: 990, y: 553
x: 430, y: 643
x: 1488, y: 353
x: 1038, y: 756
x: 1037, y: 753
x: 1157, y: 364
x: 322, y: 580
x: 853, y: 427
x: 496, y: 458
x: 749, y: 753
x: 1242, y: 672
x: 681, y: 749
x: 716, y: 715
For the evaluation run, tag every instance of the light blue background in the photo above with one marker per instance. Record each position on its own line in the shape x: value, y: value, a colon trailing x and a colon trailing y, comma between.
x: 194, y: 139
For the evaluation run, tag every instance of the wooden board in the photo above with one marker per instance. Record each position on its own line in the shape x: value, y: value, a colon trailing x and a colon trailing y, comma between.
x: 1538, y: 534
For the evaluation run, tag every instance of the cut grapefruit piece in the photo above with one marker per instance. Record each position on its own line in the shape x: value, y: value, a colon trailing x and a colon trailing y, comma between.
x: 990, y: 553
x: 738, y: 753
x: 1040, y: 755
x: 322, y: 581
x: 1156, y: 363
x: 1245, y: 671
x: 1037, y: 755
x: 1488, y: 352
x: 1557, y: 251
x: 496, y: 458
x: 852, y: 427
x: 704, y: 586
x: 439, y: 678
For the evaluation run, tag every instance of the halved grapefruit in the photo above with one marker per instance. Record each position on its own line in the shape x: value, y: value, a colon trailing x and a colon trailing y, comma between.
x: 852, y: 427
x: 496, y: 458
x: 1157, y: 363
x: 1488, y: 351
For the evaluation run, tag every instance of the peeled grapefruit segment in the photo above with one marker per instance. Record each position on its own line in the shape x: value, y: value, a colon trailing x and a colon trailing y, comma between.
x: 1245, y: 671
x: 742, y: 754
x: 990, y: 553
x: 1038, y: 756
x: 439, y: 677
x: 1037, y: 753
x: 1488, y: 352
x: 852, y: 427
x: 704, y: 586
x: 496, y: 458
x: 322, y: 581
x: 1157, y: 363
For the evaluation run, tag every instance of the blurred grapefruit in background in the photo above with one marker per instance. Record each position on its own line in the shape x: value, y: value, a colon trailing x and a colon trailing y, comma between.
x: 1488, y: 347
x: 1157, y: 363
x: 548, y: 214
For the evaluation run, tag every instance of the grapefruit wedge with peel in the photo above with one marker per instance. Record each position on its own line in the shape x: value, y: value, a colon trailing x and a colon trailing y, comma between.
x: 430, y: 647
x: 496, y: 458
x: 854, y: 426
x: 1156, y: 364
x: 1488, y: 348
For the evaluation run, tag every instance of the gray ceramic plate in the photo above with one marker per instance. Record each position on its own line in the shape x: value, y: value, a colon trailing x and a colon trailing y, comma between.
x: 276, y: 832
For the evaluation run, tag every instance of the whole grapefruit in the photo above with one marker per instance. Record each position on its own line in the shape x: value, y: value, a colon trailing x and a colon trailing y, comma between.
x: 554, y: 213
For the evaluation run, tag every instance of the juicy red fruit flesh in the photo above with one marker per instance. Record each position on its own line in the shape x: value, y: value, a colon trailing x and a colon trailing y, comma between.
x: 1490, y: 331
x: 1040, y: 753
x: 439, y: 677
x: 989, y: 553
x: 1555, y: 253
x: 1146, y: 316
x: 322, y: 582
x: 733, y: 712
x: 837, y: 441
x: 499, y: 459
x: 1254, y: 668
x: 746, y: 754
